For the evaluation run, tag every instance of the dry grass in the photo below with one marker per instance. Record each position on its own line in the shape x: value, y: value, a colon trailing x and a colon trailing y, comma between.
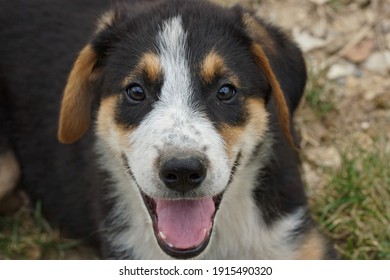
x: 354, y: 209
x: 26, y: 235
x: 350, y: 201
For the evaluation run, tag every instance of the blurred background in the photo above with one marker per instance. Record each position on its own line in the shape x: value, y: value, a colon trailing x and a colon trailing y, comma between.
x: 343, y: 121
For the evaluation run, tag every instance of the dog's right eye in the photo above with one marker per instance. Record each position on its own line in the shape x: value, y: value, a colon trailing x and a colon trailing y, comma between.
x: 226, y: 93
x: 135, y: 94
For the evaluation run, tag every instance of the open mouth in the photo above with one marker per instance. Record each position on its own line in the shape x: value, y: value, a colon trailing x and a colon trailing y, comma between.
x: 183, y: 227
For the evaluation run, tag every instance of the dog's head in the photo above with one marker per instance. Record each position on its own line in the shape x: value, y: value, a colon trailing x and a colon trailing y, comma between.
x: 182, y: 89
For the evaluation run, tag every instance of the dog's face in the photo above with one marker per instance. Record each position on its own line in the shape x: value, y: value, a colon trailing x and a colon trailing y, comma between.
x: 182, y: 93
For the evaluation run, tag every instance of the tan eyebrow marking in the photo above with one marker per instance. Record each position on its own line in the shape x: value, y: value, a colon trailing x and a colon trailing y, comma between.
x: 150, y: 65
x: 213, y: 65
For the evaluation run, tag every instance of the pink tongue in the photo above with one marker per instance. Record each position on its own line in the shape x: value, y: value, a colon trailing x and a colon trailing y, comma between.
x: 184, y: 224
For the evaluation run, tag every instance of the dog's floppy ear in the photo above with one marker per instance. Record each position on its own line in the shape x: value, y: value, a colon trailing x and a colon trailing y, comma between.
x: 76, y: 106
x: 77, y: 99
x: 267, y: 53
x: 280, y: 101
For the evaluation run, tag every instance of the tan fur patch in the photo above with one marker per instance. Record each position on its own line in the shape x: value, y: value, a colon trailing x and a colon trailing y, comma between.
x: 236, y: 137
x: 214, y: 65
x: 231, y: 135
x: 106, y: 20
x: 258, y: 32
x: 150, y: 65
x: 9, y: 172
x: 258, y: 116
x: 280, y: 101
x: 77, y: 99
x: 113, y: 134
x: 313, y: 247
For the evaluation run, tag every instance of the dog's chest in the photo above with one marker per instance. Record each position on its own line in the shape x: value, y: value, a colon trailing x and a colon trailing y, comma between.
x: 240, y: 231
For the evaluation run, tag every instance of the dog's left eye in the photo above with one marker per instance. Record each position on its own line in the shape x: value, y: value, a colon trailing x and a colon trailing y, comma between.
x: 226, y: 93
x: 135, y: 93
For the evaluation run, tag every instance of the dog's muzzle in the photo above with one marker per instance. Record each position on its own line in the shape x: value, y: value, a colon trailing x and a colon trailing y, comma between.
x: 183, y: 224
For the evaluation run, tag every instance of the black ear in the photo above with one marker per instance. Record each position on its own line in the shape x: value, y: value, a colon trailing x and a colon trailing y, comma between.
x: 282, y: 63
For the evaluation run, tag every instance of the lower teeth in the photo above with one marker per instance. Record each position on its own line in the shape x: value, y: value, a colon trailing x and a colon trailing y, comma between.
x: 162, y: 235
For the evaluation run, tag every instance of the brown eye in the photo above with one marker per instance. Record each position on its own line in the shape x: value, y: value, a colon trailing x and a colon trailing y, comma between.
x: 226, y: 93
x: 135, y: 93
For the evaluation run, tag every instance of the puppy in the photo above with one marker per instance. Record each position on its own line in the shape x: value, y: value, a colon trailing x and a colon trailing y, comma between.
x: 175, y: 127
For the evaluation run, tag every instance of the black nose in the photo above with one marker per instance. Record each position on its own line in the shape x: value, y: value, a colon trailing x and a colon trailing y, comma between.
x: 183, y: 174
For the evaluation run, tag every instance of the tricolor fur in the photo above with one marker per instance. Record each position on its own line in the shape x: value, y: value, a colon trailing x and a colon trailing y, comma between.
x: 178, y: 119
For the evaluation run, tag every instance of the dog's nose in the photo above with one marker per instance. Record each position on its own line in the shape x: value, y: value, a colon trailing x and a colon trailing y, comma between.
x: 183, y: 174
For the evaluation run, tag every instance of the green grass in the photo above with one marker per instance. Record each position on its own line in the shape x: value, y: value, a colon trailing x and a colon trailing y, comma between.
x: 318, y: 94
x: 26, y: 235
x: 354, y: 210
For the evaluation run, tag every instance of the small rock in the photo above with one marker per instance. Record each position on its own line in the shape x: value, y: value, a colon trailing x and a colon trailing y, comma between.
x: 308, y: 42
x: 324, y: 156
x: 388, y: 40
x: 363, y: 140
x: 378, y: 62
x: 319, y: 29
x: 341, y: 70
x: 382, y: 101
x: 363, y: 3
x: 352, y: 87
x: 336, y: 43
x: 315, y: 132
x: 385, y: 25
x: 320, y: 2
x: 365, y: 125
x: 310, y: 175
x: 361, y: 51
